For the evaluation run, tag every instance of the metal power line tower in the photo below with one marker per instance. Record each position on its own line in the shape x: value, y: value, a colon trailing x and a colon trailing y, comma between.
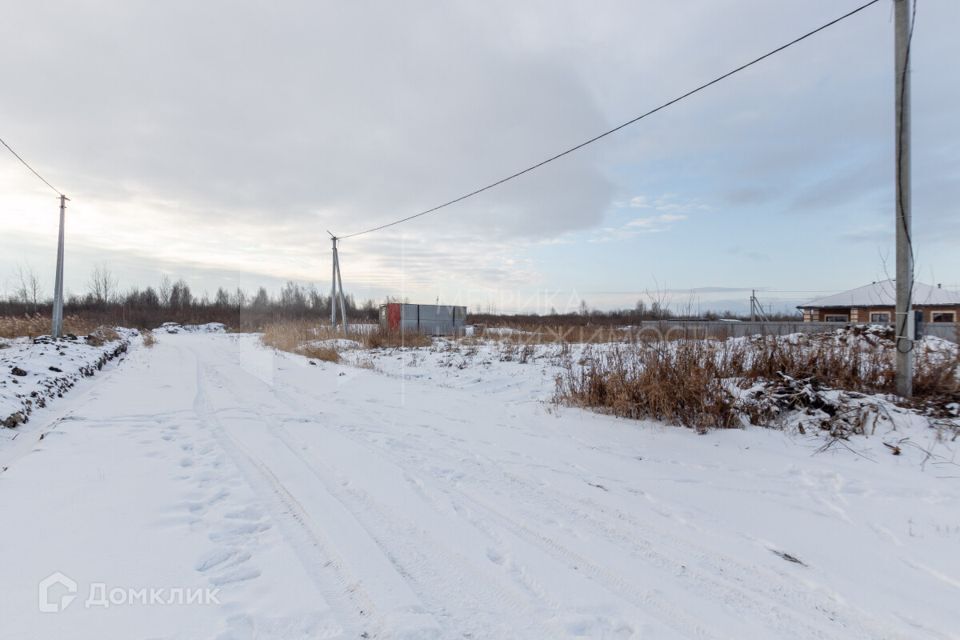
x: 903, y: 25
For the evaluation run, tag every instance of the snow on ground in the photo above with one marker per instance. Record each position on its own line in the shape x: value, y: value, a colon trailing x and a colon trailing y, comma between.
x: 338, y: 344
x: 525, y: 372
x: 34, y: 372
x: 433, y: 500
x: 176, y: 327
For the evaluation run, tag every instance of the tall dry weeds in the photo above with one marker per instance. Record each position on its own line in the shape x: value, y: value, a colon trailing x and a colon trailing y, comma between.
x: 303, y: 338
x: 693, y: 383
x: 33, y: 325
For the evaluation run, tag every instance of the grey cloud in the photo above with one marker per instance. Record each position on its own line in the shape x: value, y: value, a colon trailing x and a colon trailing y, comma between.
x: 358, y: 112
x: 262, y: 125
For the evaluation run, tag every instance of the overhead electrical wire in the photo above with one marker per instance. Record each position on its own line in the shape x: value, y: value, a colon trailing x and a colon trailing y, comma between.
x: 34, y: 171
x: 615, y: 129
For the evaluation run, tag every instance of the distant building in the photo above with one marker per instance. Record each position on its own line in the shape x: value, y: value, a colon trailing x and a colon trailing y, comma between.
x: 429, y: 319
x: 875, y: 304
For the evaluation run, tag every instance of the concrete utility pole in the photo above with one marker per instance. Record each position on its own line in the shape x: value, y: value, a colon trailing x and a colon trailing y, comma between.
x: 337, y: 283
x: 333, y: 284
x: 905, y: 319
x: 343, y: 305
x: 57, y: 328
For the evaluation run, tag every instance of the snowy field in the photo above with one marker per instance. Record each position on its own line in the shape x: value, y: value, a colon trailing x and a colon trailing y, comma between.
x: 212, y: 488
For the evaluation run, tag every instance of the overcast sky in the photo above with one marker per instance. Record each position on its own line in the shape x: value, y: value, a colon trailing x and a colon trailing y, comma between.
x: 218, y: 141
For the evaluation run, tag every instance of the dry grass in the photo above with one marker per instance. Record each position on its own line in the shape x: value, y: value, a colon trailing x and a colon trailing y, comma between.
x: 101, y: 335
x: 298, y: 337
x: 289, y: 336
x: 682, y: 385
x: 148, y: 339
x: 301, y: 337
x: 327, y: 354
x: 692, y: 383
x: 31, y: 326
x: 383, y: 339
x: 649, y: 332
x: 530, y: 334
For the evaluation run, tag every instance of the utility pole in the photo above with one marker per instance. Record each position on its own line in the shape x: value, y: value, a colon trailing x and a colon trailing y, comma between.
x: 57, y: 328
x: 343, y: 305
x: 905, y: 319
x: 333, y: 284
x: 336, y: 283
x: 753, y: 305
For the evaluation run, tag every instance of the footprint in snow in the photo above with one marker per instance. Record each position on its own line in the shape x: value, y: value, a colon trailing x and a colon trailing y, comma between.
x: 239, y: 532
x: 241, y: 574
x: 247, y: 513
x: 495, y: 556
x: 223, y: 558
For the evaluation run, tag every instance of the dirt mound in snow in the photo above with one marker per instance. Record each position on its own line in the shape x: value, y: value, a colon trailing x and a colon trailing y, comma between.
x: 34, y: 372
x: 176, y: 327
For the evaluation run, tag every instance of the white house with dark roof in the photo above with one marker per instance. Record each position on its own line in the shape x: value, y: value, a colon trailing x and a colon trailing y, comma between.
x: 876, y: 302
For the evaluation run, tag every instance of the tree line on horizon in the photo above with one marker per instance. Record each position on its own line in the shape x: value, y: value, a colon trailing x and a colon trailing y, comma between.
x: 173, y: 300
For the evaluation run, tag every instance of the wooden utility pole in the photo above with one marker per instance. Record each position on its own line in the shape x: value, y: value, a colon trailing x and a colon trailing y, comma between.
x: 905, y: 319
x: 57, y: 328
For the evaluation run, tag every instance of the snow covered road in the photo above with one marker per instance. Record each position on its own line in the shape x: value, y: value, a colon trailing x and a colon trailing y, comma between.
x: 321, y: 501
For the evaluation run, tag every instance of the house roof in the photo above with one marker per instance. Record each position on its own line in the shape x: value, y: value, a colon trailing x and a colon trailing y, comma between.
x: 884, y: 294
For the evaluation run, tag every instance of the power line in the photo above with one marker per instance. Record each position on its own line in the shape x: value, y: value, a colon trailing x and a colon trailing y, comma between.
x: 615, y: 129
x: 27, y: 165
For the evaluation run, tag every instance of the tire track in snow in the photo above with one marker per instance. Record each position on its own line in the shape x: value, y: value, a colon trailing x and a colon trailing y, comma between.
x: 427, y: 561
x: 345, y: 598
x: 397, y: 614
x: 790, y: 609
x: 566, y: 559
x: 426, y: 564
x: 735, y: 589
x: 649, y: 601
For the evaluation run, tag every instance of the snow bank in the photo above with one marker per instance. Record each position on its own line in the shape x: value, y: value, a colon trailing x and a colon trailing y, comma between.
x: 337, y: 344
x: 176, y: 327
x: 32, y: 372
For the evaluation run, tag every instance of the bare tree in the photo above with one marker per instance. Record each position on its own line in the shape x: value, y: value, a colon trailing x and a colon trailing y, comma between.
x: 261, y: 301
x: 222, y: 301
x: 164, y: 290
x: 180, y: 295
x: 102, y: 285
x: 29, y: 291
x: 239, y: 299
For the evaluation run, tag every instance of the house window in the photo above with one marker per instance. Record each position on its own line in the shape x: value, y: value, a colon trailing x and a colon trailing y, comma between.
x: 883, y: 316
x: 834, y: 318
x: 943, y: 316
